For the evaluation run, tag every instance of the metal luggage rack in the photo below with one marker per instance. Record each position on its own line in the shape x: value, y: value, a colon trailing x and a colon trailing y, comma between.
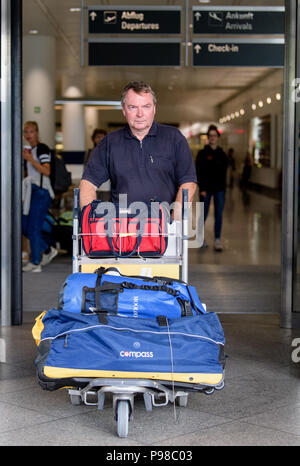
x: 176, y: 252
x: 155, y: 394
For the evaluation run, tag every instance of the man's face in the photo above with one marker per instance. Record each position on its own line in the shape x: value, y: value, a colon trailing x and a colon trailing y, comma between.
x: 139, y: 111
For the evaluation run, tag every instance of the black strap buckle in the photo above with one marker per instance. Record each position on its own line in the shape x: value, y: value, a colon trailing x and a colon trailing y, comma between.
x: 162, y: 321
x: 102, y: 317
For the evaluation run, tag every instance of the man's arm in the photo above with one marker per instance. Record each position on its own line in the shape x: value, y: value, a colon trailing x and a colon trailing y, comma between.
x: 178, y: 201
x: 87, y: 192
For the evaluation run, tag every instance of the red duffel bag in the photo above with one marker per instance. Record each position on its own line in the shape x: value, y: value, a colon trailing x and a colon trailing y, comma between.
x: 108, y: 230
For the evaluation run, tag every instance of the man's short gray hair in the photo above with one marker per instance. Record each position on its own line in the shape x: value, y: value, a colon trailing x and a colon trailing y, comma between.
x: 139, y: 87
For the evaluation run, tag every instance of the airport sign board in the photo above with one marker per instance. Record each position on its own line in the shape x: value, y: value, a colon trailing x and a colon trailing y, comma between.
x: 243, y: 20
x: 111, y: 19
x: 267, y: 53
x: 134, y: 52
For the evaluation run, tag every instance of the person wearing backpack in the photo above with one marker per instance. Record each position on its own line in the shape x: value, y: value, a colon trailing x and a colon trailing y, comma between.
x: 37, y: 197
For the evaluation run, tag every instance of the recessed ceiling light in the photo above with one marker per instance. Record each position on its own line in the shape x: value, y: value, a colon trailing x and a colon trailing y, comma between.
x: 33, y: 31
x: 73, y: 10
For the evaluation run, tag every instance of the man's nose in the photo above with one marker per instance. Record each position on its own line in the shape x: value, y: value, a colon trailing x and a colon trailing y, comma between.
x: 139, y: 111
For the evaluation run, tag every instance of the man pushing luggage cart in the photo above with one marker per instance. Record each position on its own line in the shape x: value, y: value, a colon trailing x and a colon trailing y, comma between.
x: 127, y: 322
x: 146, y: 162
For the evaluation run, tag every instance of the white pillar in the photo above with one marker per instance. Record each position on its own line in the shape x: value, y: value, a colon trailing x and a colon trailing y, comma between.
x: 91, y: 123
x: 73, y: 127
x: 73, y: 124
x: 39, y: 66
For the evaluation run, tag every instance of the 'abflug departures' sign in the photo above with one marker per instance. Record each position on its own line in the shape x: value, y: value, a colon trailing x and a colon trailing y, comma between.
x: 112, y: 19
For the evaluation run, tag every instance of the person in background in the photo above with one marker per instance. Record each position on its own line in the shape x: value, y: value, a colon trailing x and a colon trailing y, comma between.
x: 231, y: 167
x: 37, y: 197
x: 247, y: 168
x: 211, y: 167
x: 145, y: 160
x: 97, y: 136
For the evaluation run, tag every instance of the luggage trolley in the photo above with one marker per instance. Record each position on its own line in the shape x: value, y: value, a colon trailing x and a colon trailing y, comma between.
x: 155, y: 393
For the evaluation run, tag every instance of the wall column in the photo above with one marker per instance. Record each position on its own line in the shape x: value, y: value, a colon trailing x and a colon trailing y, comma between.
x: 73, y: 129
x: 39, y: 84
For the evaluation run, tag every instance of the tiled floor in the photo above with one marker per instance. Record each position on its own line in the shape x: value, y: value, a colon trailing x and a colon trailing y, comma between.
x: 260, y: 403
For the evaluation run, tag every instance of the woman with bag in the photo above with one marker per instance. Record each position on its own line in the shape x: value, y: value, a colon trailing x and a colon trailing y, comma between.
x: 37, y: 197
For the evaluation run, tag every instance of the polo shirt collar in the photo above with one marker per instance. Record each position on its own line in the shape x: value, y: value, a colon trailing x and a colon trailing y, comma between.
x: 152, y: 131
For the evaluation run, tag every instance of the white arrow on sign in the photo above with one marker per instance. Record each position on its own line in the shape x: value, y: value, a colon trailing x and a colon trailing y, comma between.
x: 197, y: 48
x: 93, y: 15
x: 198, y: 15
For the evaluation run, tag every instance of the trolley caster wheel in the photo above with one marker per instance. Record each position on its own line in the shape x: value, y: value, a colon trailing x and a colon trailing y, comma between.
x: 122, y: 418
x: 209, y: 391
x: 75, y: 400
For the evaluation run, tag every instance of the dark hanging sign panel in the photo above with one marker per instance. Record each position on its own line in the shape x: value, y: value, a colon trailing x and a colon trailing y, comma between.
x: 240, y: 20
x: 268, y: 53
x: 126, y: 52
x: 134, y: 20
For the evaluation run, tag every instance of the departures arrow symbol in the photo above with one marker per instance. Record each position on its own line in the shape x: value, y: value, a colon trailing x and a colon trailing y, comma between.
x: 93, y: 15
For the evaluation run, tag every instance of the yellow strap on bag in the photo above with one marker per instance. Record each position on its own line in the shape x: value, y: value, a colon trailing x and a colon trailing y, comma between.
x: 38, y: 328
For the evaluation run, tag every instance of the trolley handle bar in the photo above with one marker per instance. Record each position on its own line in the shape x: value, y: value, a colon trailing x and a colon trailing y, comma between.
x: 76, y: 207
x: 185, y: 199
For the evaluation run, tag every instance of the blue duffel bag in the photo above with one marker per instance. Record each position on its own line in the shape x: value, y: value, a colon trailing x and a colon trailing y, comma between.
x: 73, y: 346
x: 108, y: 291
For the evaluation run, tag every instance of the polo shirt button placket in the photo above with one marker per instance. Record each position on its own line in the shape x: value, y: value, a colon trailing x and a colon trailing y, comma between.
x: 141, y: 153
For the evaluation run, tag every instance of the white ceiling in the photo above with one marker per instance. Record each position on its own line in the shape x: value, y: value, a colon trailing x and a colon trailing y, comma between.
x: 187, y: 94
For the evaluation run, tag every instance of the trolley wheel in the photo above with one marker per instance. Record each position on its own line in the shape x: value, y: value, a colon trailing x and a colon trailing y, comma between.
x: 122, y: 418
x: 209, y: 390
x: 75, y: 400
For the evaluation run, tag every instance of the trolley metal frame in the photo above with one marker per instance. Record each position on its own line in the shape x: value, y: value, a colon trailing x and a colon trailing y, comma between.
x: 156, y: 393
x: 176, y: 253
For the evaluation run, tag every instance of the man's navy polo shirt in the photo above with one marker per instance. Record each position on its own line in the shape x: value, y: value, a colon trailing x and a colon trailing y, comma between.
x: 151, y: 169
